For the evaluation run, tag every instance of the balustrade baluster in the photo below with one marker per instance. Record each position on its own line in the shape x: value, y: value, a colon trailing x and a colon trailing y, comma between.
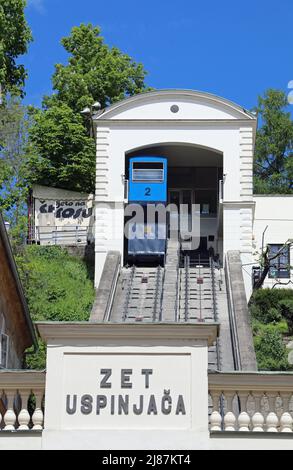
x: 257, y: 418
x: 286, y: 420
x: 243, y: 418
x: 24, y: 417
x: 10, y: 416
x: 229, y: 418
x: 216, y: 418
x: 38, y: 416
x: 272, y: 420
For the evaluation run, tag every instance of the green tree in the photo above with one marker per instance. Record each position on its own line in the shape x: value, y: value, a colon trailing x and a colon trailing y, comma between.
x: 14, y: 38
x: 13, y: 190
x: 95, y: 72
x: 62, y: 153
x: 273, y: 165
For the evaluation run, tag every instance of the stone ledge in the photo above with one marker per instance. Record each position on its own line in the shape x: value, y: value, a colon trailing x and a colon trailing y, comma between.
x: 250, y: 435
x: 133, y: 331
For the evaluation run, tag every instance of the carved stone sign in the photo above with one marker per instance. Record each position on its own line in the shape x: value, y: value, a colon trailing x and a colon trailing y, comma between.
x: 126, y: 391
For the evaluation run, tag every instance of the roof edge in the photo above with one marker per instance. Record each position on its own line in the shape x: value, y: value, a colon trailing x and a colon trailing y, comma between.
x: 11, y: 261
x: 176, y: 91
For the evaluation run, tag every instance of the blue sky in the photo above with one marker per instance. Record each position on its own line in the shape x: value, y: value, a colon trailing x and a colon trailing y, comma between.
x: 233, y: 49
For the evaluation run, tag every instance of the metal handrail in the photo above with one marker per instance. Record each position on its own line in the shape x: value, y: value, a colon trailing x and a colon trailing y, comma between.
x: 162, y: 290
x: 126, y: 190
x: 53, y: 233
x: 215, y: 312
x: 158, y: 279
x: 177, y: 287
x: 212, y: 268
x: 221, y: 190
x: 186, y: 263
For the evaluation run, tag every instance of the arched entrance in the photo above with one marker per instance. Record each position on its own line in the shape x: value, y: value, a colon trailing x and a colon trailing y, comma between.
x: 194, y: 175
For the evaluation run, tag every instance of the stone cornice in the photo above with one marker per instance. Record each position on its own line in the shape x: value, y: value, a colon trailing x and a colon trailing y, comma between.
x: 235, y: 122
x: 133, y: 331
x: 22, y: 379
x: 238, y: 203
x: 251, y: 382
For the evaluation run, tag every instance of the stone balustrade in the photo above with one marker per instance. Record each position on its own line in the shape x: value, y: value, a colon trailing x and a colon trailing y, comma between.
x: 240, y: 401
x: 21, y: 400
x: 258, y: 402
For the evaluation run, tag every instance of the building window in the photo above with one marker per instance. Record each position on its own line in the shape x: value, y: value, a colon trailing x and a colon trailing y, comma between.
x: 148, y: 171
x: 280, y: 266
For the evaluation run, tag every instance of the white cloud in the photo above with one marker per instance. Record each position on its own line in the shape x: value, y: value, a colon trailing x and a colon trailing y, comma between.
x: 37, y: 5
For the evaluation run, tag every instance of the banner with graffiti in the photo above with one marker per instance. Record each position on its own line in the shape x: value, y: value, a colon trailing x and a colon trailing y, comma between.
x: 60, y: 216
x: 65, y: 209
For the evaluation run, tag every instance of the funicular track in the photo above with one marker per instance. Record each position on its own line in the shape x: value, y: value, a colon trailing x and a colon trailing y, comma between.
x: 197, y: 296
x: 197, y: 290
x: 140, y: 294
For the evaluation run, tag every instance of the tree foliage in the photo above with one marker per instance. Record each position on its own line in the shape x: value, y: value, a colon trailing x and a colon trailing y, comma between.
x: 272, y: 318
x: 273, y: 165
x: 14, y: 38
x: 13, y: 161
x: 265, y: 304
x: 95, y: 72
x: 61, y: 149
x: 270, y: 351
x: 60, y: 153
x: 287, y: 312
x: 14, y: 138
x: 57, y: 287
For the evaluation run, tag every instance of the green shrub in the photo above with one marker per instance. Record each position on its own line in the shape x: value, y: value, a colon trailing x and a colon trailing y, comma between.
x: 287, y: 312
x: 259, y: 328
x: 270, y: 351
x: 57, y: 287
x: 37, y: 360
x: 265, y: 304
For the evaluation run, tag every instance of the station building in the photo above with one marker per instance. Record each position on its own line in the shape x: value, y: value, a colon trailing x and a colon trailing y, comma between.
x: 208, y: 142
